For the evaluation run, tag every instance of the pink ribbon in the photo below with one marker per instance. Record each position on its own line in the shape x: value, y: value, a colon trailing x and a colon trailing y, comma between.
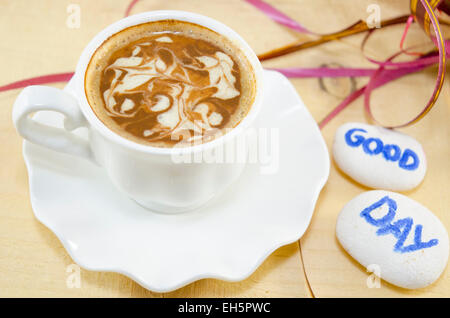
x: 379, y: 78
x: 130, y: 7
x: 278, y: 17
x: 51, y: 78
x: 386, y: 72
x: 45, y: 79
x: 325, y: 72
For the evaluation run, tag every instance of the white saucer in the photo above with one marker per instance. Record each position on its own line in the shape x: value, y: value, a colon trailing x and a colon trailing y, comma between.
x: 228, y: 239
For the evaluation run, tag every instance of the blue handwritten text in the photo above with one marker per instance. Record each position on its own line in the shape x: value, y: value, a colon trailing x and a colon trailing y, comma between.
x: 374, y: 146
x: 400, y: 228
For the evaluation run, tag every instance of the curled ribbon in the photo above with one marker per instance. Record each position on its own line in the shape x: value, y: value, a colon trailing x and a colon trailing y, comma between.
x: 386, y: 71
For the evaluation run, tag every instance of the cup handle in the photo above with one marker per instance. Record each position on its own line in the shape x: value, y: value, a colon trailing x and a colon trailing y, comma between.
x: 36, y: 98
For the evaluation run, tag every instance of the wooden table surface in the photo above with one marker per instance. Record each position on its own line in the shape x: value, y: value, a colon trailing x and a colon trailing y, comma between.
x: 36, y: 40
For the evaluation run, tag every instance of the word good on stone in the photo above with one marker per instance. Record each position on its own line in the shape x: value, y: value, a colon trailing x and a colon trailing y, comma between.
x: 403, y: 239
x: 378, y: 157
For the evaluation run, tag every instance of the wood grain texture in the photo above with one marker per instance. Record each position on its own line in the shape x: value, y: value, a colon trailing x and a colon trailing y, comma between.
x: 36, y: 41
x: 33, y: 262
x: 330, y: 270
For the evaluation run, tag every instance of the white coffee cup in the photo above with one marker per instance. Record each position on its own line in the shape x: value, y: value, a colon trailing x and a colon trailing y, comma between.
x: 148, y: 175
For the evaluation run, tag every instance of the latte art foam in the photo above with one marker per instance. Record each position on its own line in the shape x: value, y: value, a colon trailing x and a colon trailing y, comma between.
x: 181, y: 95
x: 180, y: 84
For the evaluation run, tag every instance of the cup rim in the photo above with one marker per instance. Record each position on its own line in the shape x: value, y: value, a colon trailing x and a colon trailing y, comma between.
x: 151, y: 16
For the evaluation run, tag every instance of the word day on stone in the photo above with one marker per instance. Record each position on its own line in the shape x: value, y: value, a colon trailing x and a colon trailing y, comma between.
x: 404, y: 239
x: 400, y: 228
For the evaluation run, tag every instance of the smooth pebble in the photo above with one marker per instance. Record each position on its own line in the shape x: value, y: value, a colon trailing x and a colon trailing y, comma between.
x: 379, y: 158
x: 395, y: 237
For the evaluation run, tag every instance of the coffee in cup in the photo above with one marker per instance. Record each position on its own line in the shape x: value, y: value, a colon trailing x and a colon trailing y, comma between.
x: 169, y: 82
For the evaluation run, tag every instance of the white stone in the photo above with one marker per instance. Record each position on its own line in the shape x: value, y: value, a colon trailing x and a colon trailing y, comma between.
x: 394, y: 234
x: 378, y: 157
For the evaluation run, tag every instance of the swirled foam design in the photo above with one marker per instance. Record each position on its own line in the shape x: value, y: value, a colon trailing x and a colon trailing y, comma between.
x: 170, y: 86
